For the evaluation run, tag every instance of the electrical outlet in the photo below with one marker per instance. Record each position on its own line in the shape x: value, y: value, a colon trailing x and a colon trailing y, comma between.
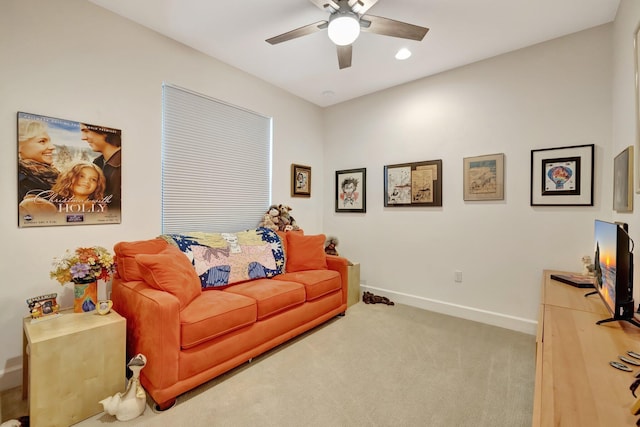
x: 458, y: 276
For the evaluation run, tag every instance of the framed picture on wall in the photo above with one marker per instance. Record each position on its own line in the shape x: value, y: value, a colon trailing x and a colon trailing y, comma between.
x: 623, y: 181
x: 562, y: 176
x: 636, y: 49
x: 68, y: 172
x: 484, y: 177
x: 413, y: 184
x: 351, y: 190
x: 300, y: 181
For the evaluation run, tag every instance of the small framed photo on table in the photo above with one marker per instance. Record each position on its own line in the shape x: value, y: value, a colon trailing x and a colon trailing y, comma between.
x: 562, y: 176
x: 351, y: 187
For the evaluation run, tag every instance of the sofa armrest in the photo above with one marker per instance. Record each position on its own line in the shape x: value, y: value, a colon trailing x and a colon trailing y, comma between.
x: 153, y: 328
x: 340, y: 264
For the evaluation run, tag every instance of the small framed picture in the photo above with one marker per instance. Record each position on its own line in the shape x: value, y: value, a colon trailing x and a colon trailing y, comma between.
x: 484, y: 177
x: 351, y: 186
x: 636, y: 54
x: 300, y: 181
x: 562, y: 176
x: 623, y: 181
x: 43, y: 306
x: 413, y: 184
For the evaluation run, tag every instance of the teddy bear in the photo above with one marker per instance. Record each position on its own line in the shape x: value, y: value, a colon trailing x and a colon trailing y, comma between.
x: 271, y: 218
x: 330, y: 246
x: 287, y: 222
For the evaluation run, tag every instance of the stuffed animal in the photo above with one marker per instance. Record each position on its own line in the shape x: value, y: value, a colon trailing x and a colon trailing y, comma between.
x: 131, y: 403
x: 287, y: 222
x: 330, y: 246
x: 271, y: 218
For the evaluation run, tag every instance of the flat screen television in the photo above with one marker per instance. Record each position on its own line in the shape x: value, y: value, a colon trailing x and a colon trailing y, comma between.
x: 613, y: 266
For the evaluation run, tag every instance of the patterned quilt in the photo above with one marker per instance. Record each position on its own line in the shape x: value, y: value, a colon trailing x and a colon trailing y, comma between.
x: 222, y: 259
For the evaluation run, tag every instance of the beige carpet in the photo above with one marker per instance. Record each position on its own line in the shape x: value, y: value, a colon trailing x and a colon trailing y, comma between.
x: 377, y: 366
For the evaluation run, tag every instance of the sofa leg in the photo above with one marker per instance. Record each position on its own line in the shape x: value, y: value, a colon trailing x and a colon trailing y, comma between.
x: 341, y: 314
x: 160, y: 407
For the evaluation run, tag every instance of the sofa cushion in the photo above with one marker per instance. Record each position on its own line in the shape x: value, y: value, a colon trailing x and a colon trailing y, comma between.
x: 305, y: 252
x: 283, y: 237
x: 212, y: 314
x: 317, y: 283
x: 171, y: 272
x: 128, y: 268
x: 222, y: 259
x: 271, y: 296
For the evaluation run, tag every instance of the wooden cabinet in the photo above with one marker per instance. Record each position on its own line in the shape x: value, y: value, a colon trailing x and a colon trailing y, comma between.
x: 574, y: 383
x: 70, y: 363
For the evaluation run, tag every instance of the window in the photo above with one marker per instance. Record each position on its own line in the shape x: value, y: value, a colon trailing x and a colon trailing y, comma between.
x: 216, y: 164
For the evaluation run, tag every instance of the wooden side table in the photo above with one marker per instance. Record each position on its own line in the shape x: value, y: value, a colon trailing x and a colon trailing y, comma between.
x: 354, y: 283
x: 70, y: 363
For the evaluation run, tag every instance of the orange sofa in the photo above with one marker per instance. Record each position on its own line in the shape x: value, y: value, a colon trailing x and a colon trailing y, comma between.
x: 191, y: 333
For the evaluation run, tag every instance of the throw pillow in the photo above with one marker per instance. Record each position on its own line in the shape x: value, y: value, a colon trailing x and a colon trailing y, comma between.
x: 305, y: 252
x: 125, y: 252
x: 171, y: 271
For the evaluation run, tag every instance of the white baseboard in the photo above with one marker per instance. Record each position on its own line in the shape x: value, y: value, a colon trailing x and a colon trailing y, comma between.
x: 519, y: 324
x: 10, y: 377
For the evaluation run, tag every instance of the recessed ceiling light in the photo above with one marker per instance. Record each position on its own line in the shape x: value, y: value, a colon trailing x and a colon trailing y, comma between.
x: 403, y: 53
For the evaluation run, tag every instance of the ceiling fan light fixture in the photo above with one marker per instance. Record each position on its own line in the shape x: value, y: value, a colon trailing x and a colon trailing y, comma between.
x: 403, y: 54
x: 344, y: 28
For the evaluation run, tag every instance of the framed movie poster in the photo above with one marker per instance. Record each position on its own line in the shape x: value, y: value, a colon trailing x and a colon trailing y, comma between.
x: 351, y: 187
x: 413, y: 184
x: 68, y: 172
x: 562, y: 176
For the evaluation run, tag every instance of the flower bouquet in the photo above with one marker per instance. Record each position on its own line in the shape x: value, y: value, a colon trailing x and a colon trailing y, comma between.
x: 84, y: 267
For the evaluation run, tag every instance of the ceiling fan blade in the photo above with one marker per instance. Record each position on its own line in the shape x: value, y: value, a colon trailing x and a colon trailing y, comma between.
x: 298, y: 32
x: 361, y: 6
x: 328, y: 5
x: 390, y: 27
x: 344, y: 56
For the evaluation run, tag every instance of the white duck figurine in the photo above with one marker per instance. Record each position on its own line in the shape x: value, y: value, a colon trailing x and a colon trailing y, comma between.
x: 130, y: 404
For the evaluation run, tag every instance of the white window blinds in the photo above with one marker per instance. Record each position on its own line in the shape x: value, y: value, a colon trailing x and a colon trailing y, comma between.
x: 216, y: 164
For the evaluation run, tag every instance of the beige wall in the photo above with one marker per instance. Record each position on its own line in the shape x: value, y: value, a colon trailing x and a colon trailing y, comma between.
x: 625, y: 113
x: 74, y: 60
x: 553, y: 94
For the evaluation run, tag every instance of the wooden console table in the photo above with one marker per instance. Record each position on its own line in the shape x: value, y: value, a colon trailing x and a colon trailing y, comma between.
x: 574, y: 384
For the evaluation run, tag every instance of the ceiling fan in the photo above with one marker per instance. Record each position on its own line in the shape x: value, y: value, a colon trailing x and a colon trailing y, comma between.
x: 346, y: 19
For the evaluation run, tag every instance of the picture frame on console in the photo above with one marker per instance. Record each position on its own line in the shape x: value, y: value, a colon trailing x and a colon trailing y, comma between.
x: 623, y: 181
x: 351, y: 190
x: 413, y: 184
x: 484, y: 177
x: 300, y: 181
x: 562, y: 176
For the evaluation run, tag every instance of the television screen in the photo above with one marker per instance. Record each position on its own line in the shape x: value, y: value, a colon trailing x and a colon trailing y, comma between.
x: 606, y: 238
x: 614, y: 269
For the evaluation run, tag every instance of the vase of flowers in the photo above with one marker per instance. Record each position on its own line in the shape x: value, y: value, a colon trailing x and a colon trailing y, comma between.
x: 84, y: 267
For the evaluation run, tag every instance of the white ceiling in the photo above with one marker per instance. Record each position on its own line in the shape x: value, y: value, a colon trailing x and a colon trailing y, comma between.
x: 460, y: 32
